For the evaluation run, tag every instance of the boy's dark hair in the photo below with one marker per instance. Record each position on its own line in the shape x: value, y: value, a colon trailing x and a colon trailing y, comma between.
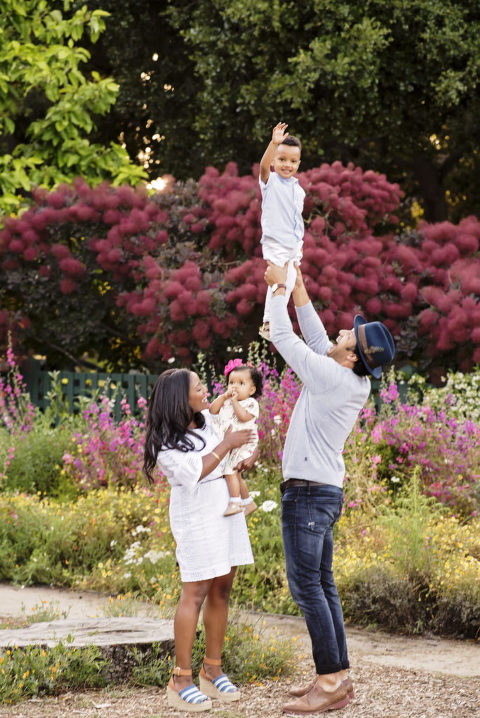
x: 292, y: 142
x: 359, y: 367
x: 255, y: 376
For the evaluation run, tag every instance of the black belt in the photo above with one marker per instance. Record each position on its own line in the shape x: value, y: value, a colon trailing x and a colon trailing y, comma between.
x: 296, y: 482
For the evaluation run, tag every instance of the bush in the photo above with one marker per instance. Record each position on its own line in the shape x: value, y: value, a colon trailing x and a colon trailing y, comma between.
x: 35, y: 671
x: 104, y: 452
x: 182, y: 271
x: 249, y: 655
x: 397, y: 545
x: 385, y: 449
x: 458, y: 396
x: 37, y: 461
x: 412, y: 569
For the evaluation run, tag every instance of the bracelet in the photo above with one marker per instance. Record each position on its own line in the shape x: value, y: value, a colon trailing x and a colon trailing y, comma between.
x: 216, y: 456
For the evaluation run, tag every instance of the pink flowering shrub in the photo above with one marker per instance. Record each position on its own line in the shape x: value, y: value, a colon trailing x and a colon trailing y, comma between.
x: 382, y: 454
x: 183, y: 271
x: 105, y: 453
x: 405, y: 436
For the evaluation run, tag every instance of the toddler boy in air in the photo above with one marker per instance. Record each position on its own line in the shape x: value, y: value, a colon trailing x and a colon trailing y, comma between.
x: 282, y: 207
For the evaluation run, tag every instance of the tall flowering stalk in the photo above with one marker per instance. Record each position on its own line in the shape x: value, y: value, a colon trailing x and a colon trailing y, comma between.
x: 278, y: 399
x: 16, y: 410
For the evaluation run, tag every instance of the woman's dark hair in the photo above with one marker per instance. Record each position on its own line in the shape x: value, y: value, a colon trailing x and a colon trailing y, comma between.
x: 359, y: 367
x: 169, y: 414
x: 255, y: 376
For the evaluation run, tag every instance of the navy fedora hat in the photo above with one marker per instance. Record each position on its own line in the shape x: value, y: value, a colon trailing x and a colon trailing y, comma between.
x: 375, y: 344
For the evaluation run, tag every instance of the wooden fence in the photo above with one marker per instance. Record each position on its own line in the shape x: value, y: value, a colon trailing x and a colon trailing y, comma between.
x: 76, y: 384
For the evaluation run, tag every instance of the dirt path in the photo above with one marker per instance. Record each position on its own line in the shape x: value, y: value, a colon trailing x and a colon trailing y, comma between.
x: 395, y: 676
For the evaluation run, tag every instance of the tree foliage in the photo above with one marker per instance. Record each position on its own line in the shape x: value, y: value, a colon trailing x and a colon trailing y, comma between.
x: 48, y: 106
x: 391, y: 85
x: 158, y: 91
x: 131, y: 280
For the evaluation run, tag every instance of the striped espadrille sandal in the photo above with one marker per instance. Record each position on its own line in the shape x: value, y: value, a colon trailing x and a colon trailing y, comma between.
x: 188, y: 699
x: 220, y: 687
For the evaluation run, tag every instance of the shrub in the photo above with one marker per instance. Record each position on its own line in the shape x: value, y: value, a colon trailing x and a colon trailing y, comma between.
x: 182, y: 271
x: 411, y: 568
x: 458, y: 397
x: 249, y: 655
x: 35, y: 671
x: 37, y: 460
x: 385, y: 448
x: 104, y: 452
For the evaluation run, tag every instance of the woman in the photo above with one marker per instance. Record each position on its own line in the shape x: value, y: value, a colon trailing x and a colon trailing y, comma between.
x: 181, y: 440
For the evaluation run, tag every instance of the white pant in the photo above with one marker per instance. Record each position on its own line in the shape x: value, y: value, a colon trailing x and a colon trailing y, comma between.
x: 276, y: 253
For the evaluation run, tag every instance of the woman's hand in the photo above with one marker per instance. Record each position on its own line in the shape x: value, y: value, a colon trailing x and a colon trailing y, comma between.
x: 235, y: 439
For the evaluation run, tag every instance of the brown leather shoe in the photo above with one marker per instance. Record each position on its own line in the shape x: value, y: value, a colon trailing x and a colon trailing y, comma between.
x: 317, y: 700
x: 349, y: 686
x: 299, y: 691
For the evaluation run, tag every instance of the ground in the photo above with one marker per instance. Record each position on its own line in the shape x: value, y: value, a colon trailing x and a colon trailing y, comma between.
x: 394, y: 676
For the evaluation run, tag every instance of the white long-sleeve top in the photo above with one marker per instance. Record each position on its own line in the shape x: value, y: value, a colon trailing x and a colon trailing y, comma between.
x: 329, y: 402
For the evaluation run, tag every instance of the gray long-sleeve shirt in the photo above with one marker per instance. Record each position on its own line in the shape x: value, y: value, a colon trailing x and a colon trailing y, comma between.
x: 329, y: 403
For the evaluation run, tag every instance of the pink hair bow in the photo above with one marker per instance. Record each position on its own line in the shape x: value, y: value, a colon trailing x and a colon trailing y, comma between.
x: 232, y: 364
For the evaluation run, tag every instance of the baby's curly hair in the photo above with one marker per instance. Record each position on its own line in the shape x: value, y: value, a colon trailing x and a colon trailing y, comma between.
x: 255, y: 376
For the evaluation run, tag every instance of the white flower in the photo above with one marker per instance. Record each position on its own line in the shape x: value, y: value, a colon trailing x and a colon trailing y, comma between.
x: 277, y: 419
x: 140, y: 530
x: 127, y: 575
x: 254, y: 494
x: 112, y: 543
x: 155, y: 556
x: 269, y: 505
x: 395, y: 479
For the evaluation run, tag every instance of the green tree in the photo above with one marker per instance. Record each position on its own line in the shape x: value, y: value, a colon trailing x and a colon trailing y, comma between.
x: 391, y: 85
x: 48, y: 106
x: 158, y: 90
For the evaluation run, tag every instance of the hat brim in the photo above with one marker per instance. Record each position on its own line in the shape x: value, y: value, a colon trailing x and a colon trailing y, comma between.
x: 376, y: 371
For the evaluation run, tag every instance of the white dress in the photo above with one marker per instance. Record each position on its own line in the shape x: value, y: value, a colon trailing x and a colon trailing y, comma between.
x: 209, y: 544
x: 226, y: 417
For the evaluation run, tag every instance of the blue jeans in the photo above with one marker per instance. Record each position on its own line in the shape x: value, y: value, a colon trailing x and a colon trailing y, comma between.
x: 309, y: 514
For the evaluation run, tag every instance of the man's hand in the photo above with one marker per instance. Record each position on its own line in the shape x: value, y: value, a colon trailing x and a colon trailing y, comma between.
x: 275, y: 274
x: 299, y: 294
x: 279, y: 133
x: 299, y: 277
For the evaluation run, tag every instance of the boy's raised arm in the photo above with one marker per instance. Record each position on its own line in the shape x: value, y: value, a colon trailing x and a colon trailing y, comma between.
x: 278, y: 135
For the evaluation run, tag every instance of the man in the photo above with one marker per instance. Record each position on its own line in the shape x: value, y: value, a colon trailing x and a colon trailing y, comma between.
x: 335, y: 388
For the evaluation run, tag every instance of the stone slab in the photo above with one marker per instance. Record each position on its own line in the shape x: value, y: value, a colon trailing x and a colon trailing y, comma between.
x: 123, y: 641
x: 96, y: 631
